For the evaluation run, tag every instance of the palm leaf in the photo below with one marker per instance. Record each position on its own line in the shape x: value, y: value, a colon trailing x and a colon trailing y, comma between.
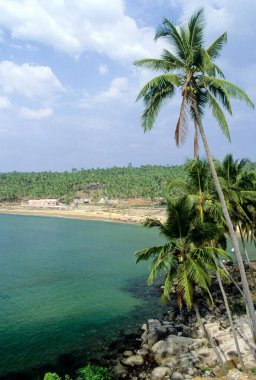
x: 232, y: 89
x: 219, y: 116
x: 156, y: 64
x: 215, y: 48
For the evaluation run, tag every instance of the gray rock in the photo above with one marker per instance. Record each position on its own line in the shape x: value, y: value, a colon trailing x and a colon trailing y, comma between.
x: 159, y: 373
x: 177, y: 376
x: 173, y: 350
x: 144, y: 327
x: 133, y: 360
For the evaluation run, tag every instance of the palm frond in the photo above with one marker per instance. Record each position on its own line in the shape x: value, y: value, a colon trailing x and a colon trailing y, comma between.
x: 232, y: 89
x: 168, y: 56
x: 156, y: 64
x: 168, y: 30
x: 147, y: 253
x: 196, y: 26
x: 219, y: 116
x: 215, y: 48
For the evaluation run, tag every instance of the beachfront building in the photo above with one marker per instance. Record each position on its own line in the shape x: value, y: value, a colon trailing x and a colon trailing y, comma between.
x: 43, y: 203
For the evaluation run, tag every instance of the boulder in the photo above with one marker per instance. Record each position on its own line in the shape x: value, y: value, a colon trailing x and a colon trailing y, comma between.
x: 159, y: 373
x: 174, y: 351
x: 133, y: 360
x: 177, y: 376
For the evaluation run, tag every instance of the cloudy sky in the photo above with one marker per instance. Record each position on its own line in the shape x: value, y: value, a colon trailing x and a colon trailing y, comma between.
x: 68, y: 85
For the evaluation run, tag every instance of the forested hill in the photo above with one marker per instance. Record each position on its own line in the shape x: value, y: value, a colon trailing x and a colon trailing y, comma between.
x: 114, y: 183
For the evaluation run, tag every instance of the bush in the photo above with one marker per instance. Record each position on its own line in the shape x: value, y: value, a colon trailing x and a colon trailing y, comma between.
x: 51, y: 376
x: 92, y: 372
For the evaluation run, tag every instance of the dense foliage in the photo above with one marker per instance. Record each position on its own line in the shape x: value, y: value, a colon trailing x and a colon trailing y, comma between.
x: 90, y: 372
x: 127, y: 182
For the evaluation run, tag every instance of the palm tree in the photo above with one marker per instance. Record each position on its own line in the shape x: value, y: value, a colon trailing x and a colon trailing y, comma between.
x: 239, y: 188
x: 186, y: 258
x: 191, y: 69
x: 200, y: 193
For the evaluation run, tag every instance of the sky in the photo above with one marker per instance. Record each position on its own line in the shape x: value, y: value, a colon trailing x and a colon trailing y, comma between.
x: 68, y: 84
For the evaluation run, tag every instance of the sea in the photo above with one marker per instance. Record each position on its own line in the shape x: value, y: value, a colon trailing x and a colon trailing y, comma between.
x: 68, y: 288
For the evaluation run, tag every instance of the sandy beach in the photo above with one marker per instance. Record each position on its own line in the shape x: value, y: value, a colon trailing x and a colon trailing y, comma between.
x: 123, y: 215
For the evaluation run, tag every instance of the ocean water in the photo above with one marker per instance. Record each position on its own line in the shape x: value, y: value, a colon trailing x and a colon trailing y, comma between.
x: 67, y: 286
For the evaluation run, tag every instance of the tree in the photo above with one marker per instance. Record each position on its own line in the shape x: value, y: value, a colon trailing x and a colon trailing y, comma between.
x: 186, y: 258
x: 191, y: 68
x: 239, y: 188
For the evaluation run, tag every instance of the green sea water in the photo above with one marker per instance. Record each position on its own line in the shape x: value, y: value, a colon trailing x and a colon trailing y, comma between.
x: 67, y: 289
x: 67, y: 286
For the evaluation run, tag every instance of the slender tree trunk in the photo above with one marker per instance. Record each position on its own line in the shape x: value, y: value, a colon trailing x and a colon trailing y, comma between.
x: 210, y: 340
x: 230, y: 321
x: 247, y: 257
x: 241, y: 292
x: 246, y: 290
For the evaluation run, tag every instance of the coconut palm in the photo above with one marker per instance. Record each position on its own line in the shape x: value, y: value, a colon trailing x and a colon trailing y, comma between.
x: 239, y: 188
x: 186, y: 258
x: 191, y: 69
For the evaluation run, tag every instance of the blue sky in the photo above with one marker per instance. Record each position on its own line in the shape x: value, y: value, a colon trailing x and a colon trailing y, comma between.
x: 68, y: 85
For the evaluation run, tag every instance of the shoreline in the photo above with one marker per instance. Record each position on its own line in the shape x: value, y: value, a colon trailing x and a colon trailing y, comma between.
x: 127, y: 215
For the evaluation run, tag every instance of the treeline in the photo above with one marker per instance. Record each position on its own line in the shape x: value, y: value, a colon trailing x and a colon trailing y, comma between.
x: 114, y: 183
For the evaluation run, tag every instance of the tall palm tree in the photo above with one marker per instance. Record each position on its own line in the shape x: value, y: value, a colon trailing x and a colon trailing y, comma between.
x: 191, y: 68
x: 186, y: 258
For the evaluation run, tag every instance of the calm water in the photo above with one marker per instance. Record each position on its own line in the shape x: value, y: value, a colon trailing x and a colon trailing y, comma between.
x: 65, y: 287
x: 68, y: 286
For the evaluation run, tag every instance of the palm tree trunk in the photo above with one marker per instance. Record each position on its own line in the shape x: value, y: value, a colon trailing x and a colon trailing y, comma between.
x: 246, y: 290
x: 247, y: 257
x: 230, y: 321
x: 210, y: 340
x: 240, y: 291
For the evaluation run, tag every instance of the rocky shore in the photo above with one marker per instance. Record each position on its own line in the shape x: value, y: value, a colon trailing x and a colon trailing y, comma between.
x: 175, y: 347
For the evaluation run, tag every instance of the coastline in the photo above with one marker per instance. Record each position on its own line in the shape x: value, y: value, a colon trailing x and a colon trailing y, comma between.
x: 126, y: 215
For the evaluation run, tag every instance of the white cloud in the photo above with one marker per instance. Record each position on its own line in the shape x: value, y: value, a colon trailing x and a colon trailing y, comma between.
x: 4, y: 102
x: 78, y: 26
x: 31, y: 114
x: 103, y: 69
x: 28, y: 80
x: 120, y: 90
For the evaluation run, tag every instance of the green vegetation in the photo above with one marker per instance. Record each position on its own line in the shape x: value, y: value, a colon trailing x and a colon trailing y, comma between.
x: 90, y: 372
x: 115, y: 183
x: 195, y: 234
x: 190, y: 67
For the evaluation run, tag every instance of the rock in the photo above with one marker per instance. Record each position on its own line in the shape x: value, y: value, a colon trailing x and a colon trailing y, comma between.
x: 144, y: 327
x: 207, y: 374
x: 119, y: 370
x: 133, y: 360
x: 142, y: 352
x: 143, y: 375
x: 177, y: 376
x: 127, y: 353
x: 159, y: 373
x: 235, y: 374
x: 224, y: 323
x: 172, y: 350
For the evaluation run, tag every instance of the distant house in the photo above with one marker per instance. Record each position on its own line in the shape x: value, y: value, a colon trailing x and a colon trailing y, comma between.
x: 43, y: 202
